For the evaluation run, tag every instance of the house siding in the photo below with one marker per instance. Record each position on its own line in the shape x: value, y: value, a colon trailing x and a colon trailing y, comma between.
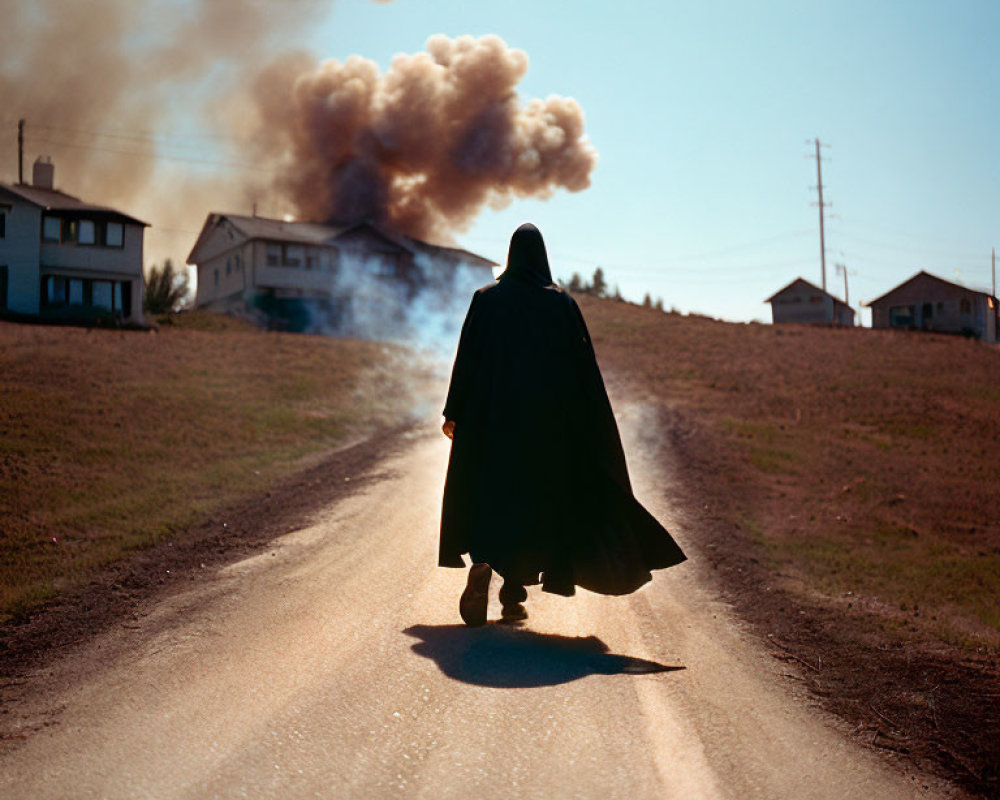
x: 806, y: 304
x: 232, y: 266
x: 931, y: 304
x: 19, y: 253
x: 115, y: 261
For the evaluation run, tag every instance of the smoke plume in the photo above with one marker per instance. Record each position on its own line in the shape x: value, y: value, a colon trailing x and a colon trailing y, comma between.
x: 423, y: 146
x: 133, y: 66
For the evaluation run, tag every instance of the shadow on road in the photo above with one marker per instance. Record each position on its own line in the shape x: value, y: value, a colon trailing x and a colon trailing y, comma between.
x: 512, y: 658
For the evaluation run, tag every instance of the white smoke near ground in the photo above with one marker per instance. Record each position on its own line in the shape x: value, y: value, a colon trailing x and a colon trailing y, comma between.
x: 427, y: 324
x: 425, y: 315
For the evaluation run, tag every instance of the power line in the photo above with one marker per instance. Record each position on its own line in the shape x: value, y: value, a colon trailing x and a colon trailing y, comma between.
x: 151, y: 136
x: 155, y: 155
x: 918, y: 250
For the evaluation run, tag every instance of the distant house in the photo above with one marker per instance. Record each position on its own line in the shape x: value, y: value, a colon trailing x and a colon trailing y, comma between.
x: 800, y: 301
x: 926, y: 302
x: 305, y: 275
x: 63, y: 257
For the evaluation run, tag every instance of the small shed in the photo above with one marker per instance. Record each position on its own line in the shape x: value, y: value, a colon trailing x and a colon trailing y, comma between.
x: 800, y: 301
x: 929, y: 303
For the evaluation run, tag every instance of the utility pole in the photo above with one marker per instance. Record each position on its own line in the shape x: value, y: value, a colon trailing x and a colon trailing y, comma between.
x: 843, y: 268
x: 994, y: 272
x: 20, y: 151
x: 821, y: 204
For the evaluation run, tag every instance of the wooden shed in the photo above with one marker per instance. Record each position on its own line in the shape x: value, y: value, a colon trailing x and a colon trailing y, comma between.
x: 800, y: 301
x: 929, y: 303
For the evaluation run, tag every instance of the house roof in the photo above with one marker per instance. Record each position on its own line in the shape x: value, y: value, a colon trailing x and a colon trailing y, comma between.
x: 281, y: 231
x: 803, y: 282
x: 319, y: 233
x: 925, y: 274
x: 54, y: 200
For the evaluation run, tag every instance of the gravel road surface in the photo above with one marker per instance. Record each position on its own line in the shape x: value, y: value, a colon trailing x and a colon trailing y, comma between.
x: 334, y: 664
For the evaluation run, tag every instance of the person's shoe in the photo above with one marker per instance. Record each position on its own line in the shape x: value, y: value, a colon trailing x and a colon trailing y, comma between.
x: 514, y: 613
x: 472, y: 605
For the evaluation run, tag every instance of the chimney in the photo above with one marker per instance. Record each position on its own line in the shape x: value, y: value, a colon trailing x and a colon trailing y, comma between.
x: 43, y: 174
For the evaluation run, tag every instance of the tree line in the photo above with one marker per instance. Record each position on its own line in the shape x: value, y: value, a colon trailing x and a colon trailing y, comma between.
x: 598, y: 287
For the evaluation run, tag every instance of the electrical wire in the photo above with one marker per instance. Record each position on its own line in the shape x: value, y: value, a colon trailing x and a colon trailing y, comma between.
x: 157, y: 156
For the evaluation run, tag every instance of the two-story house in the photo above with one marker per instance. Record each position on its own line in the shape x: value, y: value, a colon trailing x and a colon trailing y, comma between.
x: 316, y: 276
x: 63, y: 257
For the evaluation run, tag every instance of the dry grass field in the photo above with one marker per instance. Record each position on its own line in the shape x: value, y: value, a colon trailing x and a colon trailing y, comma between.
x: 112, y: 440
x: 843, y: 486
x: 864, y: 461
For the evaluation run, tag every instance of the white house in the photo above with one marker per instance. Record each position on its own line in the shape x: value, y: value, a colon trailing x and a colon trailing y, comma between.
x: 63, y: 257
x: 800, y: 301
x: 308, y: 275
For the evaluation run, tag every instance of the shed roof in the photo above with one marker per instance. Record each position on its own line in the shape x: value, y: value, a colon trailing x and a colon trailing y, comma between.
x: 54, y: 200
x: 924, y: 274
x: 802, y: 282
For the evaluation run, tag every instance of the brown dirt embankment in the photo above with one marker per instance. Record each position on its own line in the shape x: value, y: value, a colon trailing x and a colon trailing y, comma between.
x: 842, y: 484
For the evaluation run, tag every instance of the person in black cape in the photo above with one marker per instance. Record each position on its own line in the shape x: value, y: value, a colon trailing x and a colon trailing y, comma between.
x: 537, y: 487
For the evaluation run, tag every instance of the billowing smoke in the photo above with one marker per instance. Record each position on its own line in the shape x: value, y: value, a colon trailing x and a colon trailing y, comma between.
x: 133, y: 66
x: 143, y: 71
x: 422, y: 147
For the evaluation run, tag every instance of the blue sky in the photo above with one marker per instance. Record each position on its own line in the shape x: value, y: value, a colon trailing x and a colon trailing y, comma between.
x: 701, y: 114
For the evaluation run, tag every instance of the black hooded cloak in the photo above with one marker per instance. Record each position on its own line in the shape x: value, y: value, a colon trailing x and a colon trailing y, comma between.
x: 537, y: 481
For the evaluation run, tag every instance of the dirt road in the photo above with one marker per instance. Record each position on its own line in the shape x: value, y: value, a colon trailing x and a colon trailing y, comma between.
x: 333, y: 664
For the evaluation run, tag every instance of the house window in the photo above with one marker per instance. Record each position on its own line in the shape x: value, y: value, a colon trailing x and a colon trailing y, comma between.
x: 51, y: 228
x: 101, y: 294
x: 85, y: 232
x: 239, y: 263
x: 76, y: 292
x: 71, y: 229
x: 901, y: 316
x: 293, y: 255
x: 58, y: 291
x: 927, y: 310
x: 114, y: 235
x: 273, y: 254
x: 3, y: 287
x: 965, y: 306
x: 229, y: 265
x: 3, y: 223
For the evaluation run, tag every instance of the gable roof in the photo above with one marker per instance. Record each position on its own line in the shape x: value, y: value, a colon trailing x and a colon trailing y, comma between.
x: 925, y: 274
x: 803, y: 282
x: 54, y: 200
x: 319, y: 233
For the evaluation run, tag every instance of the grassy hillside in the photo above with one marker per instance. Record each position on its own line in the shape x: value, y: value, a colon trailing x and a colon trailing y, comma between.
x: 110, y: 440
x: 863, y: 462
